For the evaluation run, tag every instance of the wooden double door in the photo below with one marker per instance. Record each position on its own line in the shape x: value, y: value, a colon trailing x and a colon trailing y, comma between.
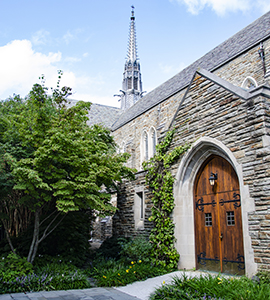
x: 218, y: 221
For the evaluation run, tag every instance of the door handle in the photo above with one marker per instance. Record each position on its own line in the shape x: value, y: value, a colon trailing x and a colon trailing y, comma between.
x: 221, y: 236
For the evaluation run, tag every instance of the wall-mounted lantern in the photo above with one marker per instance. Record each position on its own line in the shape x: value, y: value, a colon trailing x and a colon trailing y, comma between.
x: 262, y: 56
x: 212, y: 178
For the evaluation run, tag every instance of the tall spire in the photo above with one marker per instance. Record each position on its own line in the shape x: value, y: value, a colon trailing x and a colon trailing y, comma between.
x: 132, y: 45
x: 132, y: 84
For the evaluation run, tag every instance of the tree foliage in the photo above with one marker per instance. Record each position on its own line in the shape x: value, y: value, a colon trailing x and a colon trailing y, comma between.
x: 48, y: 153
x: 160, y: 181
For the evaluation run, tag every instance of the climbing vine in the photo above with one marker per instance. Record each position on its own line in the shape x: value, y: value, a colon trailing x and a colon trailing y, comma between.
x: 160, y: 181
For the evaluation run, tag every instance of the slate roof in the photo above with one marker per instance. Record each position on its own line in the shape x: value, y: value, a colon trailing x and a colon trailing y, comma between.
x: 100, y: 114
x: 226, y: 51
x: 103, y: 114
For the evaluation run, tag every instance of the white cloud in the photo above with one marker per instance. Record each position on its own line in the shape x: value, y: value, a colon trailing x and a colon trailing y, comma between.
x: 40, y: 37
x: 264, y: 5
x: 72, y: 59
x: 221, y: 7
x: 21, y: 67
x: 71, y: 35
x: 68, y: 37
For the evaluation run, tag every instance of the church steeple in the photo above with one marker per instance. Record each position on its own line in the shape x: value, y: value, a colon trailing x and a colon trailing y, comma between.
x: 132, y: 83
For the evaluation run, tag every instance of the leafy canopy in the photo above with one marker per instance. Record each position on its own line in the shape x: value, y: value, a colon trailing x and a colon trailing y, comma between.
x: 54, y: 154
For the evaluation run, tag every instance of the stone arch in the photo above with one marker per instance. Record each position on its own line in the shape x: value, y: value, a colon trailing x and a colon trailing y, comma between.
x: 183, y: 193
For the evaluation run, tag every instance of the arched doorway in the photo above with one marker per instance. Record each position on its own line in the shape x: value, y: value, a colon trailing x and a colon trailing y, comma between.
x: 217, y: 217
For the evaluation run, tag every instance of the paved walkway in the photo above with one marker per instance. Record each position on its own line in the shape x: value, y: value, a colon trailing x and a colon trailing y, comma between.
x: 139, y: 290
x: 85, y: 294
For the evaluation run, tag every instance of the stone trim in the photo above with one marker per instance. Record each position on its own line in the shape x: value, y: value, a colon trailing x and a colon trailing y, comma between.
x: 184, y: 210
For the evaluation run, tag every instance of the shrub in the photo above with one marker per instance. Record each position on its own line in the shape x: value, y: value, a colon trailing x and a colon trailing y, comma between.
x: 112, y: 247
x: 14, y: 266
x: 137, y: 249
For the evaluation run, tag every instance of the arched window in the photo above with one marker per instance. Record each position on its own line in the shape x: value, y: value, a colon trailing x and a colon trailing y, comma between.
x: 153, y: 141
x: 249, y: 83
x: 144, y: 147
x: 123, y: 147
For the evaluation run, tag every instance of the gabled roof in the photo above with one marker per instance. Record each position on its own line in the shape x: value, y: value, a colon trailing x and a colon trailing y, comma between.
x: 226, y: 51
x: 103, y: 114
x: 100, y: 114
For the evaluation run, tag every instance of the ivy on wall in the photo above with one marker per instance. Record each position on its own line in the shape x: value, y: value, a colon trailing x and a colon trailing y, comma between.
x: 160, y: 181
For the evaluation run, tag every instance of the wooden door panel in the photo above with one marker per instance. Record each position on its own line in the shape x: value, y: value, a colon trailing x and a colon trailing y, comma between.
x: 206, y: 233
x: 231, y: 229
x: 219, y: 246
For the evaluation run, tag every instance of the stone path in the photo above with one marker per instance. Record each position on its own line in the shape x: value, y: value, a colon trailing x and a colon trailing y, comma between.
x: 86, y: 294
x: 139, y: 290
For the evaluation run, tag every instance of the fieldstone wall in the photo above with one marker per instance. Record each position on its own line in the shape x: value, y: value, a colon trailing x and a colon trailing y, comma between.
x: 247, y: 64
x: 214, y: 111
x: 243, y: 127
x: 123, y: 220
x: 158, y: 117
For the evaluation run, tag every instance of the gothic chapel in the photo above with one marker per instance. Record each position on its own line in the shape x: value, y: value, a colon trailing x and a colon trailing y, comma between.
x: 220, y: 104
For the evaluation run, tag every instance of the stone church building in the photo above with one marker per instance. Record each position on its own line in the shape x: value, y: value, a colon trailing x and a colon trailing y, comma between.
x: 220, y: 105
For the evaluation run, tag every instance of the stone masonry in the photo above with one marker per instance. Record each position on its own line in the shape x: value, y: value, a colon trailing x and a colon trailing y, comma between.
x: 212, y: 105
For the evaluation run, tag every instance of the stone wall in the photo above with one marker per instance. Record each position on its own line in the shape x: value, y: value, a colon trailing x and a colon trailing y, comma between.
x: 213, y: 111
x: 242, y: 126
x: 246, y: 64
x: 158, y: 117
x: 123, y: 220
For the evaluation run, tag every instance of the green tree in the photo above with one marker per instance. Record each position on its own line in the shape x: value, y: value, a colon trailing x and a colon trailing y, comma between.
x: 69, y: 163
x: 14, y: 216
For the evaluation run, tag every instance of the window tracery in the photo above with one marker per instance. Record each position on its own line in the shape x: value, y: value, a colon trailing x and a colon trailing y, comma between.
x: 249, y: 83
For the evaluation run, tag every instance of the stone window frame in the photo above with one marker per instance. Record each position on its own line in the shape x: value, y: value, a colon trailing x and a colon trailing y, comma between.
x: 249, y: 80
x: 123, y: 147
x: 152, y: 141
x: 139, y: 208
x: 144, y: 146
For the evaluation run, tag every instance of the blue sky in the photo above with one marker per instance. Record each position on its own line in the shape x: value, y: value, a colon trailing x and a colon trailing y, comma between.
x: 87, y: 39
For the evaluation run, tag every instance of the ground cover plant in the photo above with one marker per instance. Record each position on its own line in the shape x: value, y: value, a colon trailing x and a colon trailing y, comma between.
x: 18, y: 275
x: 214, y: 287
x: 118, y: 273
x: 130, y: 261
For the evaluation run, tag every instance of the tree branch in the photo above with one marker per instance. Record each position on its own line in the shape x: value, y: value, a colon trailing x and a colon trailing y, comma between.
x: 8, y: 237
x: 45, y: 234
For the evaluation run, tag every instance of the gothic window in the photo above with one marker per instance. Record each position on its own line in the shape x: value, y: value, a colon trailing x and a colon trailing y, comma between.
x: 249, y: 83
x: 153, y: 141
x: 144, y: 147
x: 129, y: 84
x: 123, y: 147
x: 139, y: 208
x: 135, y: 83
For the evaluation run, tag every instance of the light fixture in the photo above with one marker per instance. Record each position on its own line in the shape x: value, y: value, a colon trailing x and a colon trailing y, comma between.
x: 212, y: 178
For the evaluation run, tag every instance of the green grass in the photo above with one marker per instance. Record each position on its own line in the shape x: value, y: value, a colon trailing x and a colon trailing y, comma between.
x: 213, y: 287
